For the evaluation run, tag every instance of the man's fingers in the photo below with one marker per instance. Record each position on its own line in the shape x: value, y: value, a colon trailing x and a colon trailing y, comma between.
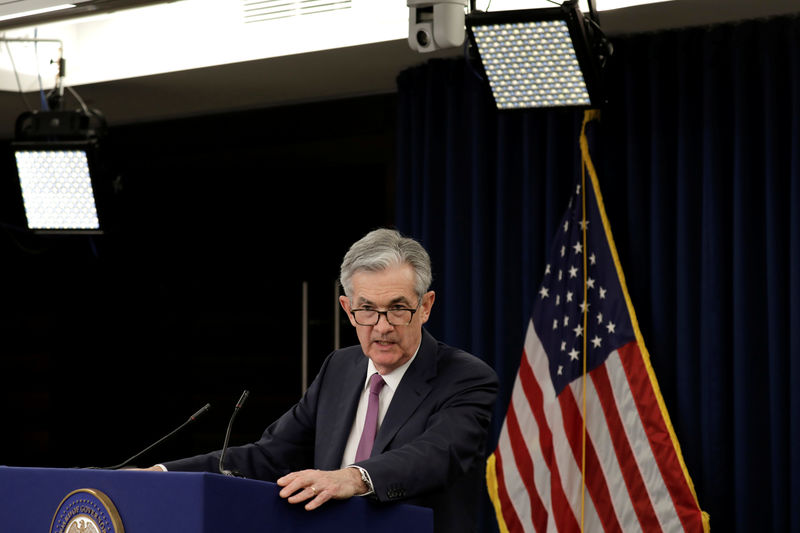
x: 291, y: 490
x: 311, y: 494
x: 302, y: 495
x: 317, y: 487
x: 297, y: 486
x: 291, y: 476
x: 318, y: 500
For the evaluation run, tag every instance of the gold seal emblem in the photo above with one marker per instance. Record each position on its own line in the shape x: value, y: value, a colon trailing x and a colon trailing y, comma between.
x: 86, y: 511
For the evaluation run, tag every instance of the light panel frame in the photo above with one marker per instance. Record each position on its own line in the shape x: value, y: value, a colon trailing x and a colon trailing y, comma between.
x: 568, y: 17
x: 59, y: 194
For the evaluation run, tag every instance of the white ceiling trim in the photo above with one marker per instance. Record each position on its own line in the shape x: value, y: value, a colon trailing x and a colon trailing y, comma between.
x: 186, y: 35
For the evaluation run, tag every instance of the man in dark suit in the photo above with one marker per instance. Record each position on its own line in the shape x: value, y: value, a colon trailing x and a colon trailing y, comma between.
x: 432, y: 403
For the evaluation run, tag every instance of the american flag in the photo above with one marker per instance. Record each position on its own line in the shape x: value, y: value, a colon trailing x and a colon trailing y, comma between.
x: 627, y: 474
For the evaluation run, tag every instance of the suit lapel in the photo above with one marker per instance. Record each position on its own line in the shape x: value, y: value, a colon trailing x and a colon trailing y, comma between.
x: 414, y: 387
x: 340, y: 413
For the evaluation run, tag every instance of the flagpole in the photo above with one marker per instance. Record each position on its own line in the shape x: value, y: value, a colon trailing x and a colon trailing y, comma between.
x: 585, y: 329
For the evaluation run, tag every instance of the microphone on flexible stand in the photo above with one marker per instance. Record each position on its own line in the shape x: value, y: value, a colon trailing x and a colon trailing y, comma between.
x: 192, y: 418
x: 239, y: 405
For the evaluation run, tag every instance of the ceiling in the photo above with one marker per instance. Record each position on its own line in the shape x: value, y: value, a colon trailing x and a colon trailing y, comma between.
x: 82, y: 8
x: 323, y: 75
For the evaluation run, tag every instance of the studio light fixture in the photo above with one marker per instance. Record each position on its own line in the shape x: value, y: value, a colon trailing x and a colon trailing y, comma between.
x: 541, y: 58
x: 62, y: 183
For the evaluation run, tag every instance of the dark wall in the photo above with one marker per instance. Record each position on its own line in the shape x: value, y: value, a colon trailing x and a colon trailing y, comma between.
x: 110, y: 342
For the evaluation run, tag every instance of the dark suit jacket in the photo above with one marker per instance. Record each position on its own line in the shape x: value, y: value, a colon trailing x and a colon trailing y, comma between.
x: 430, y: 447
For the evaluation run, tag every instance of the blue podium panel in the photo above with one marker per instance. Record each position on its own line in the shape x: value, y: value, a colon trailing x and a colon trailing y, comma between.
x: 189, y: 502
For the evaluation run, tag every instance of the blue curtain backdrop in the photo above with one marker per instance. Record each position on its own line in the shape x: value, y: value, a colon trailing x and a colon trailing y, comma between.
x: 698, y: 155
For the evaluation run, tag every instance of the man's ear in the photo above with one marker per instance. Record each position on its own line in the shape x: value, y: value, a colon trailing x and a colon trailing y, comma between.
x: 426, y: 305
x: 344, y: 301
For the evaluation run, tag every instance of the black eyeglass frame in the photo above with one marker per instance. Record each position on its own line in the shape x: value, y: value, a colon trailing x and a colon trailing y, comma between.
x: 385, y: 315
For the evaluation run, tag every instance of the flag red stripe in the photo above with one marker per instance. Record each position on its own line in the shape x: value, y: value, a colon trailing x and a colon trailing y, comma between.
x: 595, y: 480
x: 659, y: 437
x: 563, y: 516
x: 507, y: 508
x: 627, y: 462
x: 525, y: 466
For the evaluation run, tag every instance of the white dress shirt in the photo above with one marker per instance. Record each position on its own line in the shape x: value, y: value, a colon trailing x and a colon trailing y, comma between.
x: 392, y: 380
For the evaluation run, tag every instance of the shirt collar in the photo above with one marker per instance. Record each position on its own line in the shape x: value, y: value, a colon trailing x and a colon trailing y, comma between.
x: 393, y: 378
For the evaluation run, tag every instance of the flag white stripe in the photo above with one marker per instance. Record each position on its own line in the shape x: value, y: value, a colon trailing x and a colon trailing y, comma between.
x: 515, y: 485
x: 604, y: 448
x: 569, y: 470
x: 654, y: 482
x: 530, y: 431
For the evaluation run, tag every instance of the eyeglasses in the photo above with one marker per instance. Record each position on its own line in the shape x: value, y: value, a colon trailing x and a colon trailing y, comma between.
x: 397, y: 316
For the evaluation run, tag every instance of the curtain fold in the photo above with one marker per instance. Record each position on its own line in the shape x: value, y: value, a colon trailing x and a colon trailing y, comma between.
x: 698, y: 155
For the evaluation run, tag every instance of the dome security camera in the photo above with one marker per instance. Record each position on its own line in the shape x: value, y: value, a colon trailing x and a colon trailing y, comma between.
x: 435, y: 24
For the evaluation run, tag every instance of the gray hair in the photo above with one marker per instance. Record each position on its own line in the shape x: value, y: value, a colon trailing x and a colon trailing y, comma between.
x: 381, y: 249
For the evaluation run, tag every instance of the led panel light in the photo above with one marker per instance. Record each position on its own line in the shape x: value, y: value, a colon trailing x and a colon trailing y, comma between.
x: 538, y: 58
x: 57, y: 190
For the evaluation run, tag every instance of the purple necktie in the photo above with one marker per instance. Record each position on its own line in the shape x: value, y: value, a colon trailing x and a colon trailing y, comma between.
x: 376, y: 383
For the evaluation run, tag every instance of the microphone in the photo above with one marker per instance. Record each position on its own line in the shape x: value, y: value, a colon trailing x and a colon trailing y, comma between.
x: 192, y: 418
x: 239, y: 405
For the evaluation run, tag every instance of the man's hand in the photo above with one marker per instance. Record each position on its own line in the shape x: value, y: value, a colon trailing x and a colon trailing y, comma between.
x: 154, y: 468
x: 319, y: 486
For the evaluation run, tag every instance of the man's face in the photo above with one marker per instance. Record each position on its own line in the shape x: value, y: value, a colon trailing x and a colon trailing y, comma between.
x: 386, y: 345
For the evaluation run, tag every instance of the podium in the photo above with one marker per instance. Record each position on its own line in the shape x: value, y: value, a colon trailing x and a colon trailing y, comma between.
x: 190, y: 502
